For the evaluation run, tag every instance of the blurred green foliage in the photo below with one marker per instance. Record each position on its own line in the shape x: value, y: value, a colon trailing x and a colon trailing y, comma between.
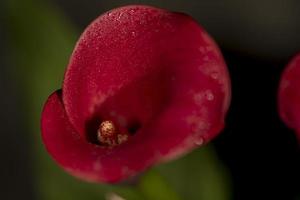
x: 41, y: 40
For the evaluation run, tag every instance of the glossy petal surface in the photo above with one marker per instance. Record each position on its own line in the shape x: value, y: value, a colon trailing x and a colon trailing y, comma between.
x: 156, y: 74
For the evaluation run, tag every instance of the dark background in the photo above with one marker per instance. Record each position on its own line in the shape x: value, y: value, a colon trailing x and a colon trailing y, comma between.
x: 257, y: 39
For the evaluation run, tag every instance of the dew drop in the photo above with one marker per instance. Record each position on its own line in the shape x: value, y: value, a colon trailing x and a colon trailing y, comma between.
x: 209, y: 96
x: 214, y: 75
x: 206, y: 58
x: 199, y: 141
x: 120, y: 15
x: 202, y: 49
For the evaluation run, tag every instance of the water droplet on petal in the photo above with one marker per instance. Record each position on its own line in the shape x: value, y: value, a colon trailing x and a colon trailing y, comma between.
x: 209, y: 96
x: 214, y: 75
x: 199, y: 141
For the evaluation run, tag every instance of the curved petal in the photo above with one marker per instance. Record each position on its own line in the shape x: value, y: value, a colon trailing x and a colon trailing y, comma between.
x: 84, y: 160
x: 289, y: 94
x: 124, y: 45
x: 199, y: 102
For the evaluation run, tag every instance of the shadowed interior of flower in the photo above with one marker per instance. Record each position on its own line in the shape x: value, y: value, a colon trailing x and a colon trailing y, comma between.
x: 130, y: 109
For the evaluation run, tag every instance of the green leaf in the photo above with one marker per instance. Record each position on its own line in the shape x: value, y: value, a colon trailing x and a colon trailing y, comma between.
x: 154, y: 186
x: 198, y: 175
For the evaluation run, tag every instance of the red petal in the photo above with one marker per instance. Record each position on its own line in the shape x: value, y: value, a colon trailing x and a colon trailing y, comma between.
x: 84, y: 160
x: 122, y: 47
x: 289, y: 94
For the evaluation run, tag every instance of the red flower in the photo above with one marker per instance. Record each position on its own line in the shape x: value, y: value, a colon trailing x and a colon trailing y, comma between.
x: 289, y: 95
x: 144, y: 85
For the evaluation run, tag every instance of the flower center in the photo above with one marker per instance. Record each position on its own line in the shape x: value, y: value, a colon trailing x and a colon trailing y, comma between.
x: 108, y: 134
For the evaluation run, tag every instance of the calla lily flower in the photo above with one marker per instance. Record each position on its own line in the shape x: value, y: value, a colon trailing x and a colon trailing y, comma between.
x: 143, y: 86
x: 289, y: 95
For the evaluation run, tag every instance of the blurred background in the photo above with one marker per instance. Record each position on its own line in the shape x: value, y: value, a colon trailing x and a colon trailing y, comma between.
x: 255, y: 157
